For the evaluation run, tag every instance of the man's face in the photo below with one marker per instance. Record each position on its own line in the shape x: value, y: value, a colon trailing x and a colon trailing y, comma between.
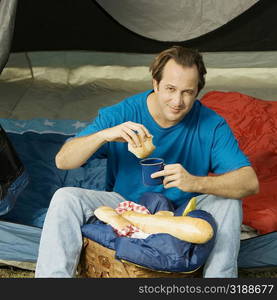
x: 176, y: 93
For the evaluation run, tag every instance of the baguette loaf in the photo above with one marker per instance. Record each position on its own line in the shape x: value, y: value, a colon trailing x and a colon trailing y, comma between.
x: 193, y: 230
x: 110, y: 216
x: 144, y: 150
x: 164, y: 213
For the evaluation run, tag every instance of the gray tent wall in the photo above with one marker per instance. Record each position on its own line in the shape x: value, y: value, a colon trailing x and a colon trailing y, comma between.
x: 86, y: 25
x: 7, y: 20
x: 68, y: 25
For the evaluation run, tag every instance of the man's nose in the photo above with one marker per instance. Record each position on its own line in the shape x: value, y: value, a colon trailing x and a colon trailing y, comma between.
x: 177, y: 99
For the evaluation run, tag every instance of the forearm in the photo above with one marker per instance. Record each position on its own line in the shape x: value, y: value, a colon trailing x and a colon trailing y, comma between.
x: 236, y: 184
x: 78, y: 150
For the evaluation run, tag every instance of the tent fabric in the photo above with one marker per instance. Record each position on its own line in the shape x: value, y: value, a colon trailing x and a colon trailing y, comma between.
x: 254, y: 123
x: 85, y: 25
x: 7, y: 20
x: 179, y: 21
x: 75, y: 85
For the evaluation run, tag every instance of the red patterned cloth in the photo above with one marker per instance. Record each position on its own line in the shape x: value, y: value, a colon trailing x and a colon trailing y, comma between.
x: 131, y: 206
x: 130, y: 230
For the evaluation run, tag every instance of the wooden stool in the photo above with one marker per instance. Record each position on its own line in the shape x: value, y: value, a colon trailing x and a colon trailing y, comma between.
x: 99, y: 262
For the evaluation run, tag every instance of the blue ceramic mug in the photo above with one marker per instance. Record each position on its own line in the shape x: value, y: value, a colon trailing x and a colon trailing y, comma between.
x: 150, y: 166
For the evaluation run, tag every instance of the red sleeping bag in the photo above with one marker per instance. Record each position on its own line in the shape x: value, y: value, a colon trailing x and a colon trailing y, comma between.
x: 254, y: 123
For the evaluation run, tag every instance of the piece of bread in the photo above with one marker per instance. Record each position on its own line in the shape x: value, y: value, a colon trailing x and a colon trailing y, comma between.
x: 193, y: 230
x: 145, y: 150
x: 108, y: 215
x: 164, y: 213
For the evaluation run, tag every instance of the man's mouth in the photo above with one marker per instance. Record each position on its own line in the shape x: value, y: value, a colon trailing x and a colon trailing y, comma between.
x: 176, y: 109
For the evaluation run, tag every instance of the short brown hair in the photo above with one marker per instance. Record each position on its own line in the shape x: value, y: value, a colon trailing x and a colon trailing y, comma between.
x: 183, y: 56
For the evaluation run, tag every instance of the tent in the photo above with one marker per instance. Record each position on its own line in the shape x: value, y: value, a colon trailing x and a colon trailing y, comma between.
x: 63, y: 60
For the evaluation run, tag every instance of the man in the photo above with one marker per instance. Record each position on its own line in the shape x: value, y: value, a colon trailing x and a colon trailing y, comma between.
x: 193, y: 140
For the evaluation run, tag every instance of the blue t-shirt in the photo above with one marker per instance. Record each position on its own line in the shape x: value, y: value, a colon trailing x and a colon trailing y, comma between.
x: 202, y: 143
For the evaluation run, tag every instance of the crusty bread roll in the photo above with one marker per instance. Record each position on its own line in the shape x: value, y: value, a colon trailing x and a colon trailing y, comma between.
x: 193, y: 230
x: 145, y: 150
x: 108, y: 215
x: 164, y: 213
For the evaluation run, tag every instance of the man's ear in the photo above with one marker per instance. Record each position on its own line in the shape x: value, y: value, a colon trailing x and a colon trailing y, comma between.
x: 155, y: 85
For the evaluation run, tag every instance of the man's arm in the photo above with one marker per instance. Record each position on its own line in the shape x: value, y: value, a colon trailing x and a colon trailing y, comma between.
x: 235, y: 184
x: 78, y: 150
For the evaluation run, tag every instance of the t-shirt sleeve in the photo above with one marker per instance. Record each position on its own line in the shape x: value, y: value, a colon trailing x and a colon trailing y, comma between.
x: 226, y: 154
x: 99, y: 123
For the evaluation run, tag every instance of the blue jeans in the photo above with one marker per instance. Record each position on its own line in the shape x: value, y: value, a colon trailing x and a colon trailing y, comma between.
x: 71, y: 207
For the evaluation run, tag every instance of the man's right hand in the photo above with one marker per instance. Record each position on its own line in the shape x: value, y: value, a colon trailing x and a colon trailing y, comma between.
x: 125, y: 132
x: 77, y: 151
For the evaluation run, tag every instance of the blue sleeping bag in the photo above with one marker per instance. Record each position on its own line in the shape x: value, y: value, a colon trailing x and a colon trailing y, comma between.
x: 159, y: 252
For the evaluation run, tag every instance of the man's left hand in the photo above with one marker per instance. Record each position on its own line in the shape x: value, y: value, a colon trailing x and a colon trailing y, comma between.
x: 175, y: 175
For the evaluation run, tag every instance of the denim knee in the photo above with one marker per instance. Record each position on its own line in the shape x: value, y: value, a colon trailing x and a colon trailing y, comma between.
x: 234, y: 207
x: 64, y: 197
x: 227, y: 212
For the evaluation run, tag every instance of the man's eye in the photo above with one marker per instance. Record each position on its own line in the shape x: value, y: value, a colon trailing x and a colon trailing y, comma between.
x: 189, y: 92
x: 171, y: 89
